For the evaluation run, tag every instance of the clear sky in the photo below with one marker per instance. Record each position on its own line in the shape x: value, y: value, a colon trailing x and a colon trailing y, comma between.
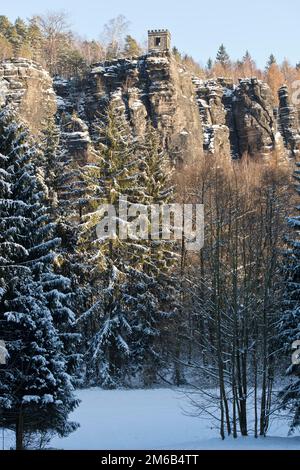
x: 198, y: 27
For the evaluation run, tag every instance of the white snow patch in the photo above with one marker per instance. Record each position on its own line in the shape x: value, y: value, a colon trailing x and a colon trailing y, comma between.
x: 228, y: 92
x: 278, y: 137
x: 158, y: 60
x: 98, y: 69
x: 60, y: 102
x: 154, y: 419
x: 136, y: 104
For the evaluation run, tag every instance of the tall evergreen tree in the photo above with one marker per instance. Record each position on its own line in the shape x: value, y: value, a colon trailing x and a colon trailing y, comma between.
x: 271, y: 61
x: 110, y: 177
x: 222, y: 56
x: 62, y: 176
x: 209, y: 64
x: 176, y: 53
x: 153, y: 298
x: 5, y: 26
x: 36, y: 392
x: 51, y: 151
x: 133, y: 299
x: 35, y: 39
x: 131, y: 48
x: 247, y: 57
x: 70, y: 198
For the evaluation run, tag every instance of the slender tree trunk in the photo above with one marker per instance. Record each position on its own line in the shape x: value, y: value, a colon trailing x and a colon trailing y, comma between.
x: 234, y: 402
x: 262, y: 427
x: 269, y: 393
x: 222, y: 424
x: 20, y: 431
x: 255, y: 389
x: 178, y: 371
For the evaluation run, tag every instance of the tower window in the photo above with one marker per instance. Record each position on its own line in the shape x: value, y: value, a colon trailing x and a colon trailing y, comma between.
x: 157, y: 41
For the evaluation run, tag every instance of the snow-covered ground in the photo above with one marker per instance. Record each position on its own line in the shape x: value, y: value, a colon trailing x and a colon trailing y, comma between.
x: 154, y: 419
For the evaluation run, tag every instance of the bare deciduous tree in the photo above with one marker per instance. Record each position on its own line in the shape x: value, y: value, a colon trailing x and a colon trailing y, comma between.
x: 55, y: 29
x: 113, y: 35
x: 233, y: 295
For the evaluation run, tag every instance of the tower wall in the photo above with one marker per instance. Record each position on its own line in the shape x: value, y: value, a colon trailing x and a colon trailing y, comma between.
x: 159, y: 40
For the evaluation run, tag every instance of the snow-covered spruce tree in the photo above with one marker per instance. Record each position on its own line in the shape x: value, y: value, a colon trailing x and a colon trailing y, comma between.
x: 51, y: 149
x: 154, y: 299
x: 111, y: 176
x: 62, y: 178
x: 68, y: 182
x: 36, y: 393
x: 66, y: 196
x: 130, y: 273
x: 289, y: 326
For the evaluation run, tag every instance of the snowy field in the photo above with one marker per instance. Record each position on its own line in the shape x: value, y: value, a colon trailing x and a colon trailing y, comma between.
x: 154, y: 419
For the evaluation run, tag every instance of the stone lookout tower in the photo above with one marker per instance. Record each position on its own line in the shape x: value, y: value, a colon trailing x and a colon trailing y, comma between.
x: 159, y: 40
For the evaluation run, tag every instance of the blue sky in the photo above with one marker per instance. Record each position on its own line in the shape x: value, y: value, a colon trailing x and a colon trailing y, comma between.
x: 198, y: 27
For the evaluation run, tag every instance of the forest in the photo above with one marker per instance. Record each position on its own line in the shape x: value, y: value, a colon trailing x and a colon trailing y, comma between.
x: 80, y: 311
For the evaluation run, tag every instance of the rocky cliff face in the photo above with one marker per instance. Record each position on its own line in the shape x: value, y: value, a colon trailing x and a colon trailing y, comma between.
x: 237, y: 119
x: 28, y: 88
x: 289, y: 122
x: 254, y: 118
x: 213, y: 108
x: 195, y: 117
x: 152, y: 87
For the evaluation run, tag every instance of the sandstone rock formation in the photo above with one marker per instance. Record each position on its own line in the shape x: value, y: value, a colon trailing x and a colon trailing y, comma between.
x: 195, y: 117
x: 155, y: 87
x: 254, y: 120
x: 236, y: 119
x: 289, y: 122
x: 28, y: 88
x: 211, y: 103
x: 76, y: 138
